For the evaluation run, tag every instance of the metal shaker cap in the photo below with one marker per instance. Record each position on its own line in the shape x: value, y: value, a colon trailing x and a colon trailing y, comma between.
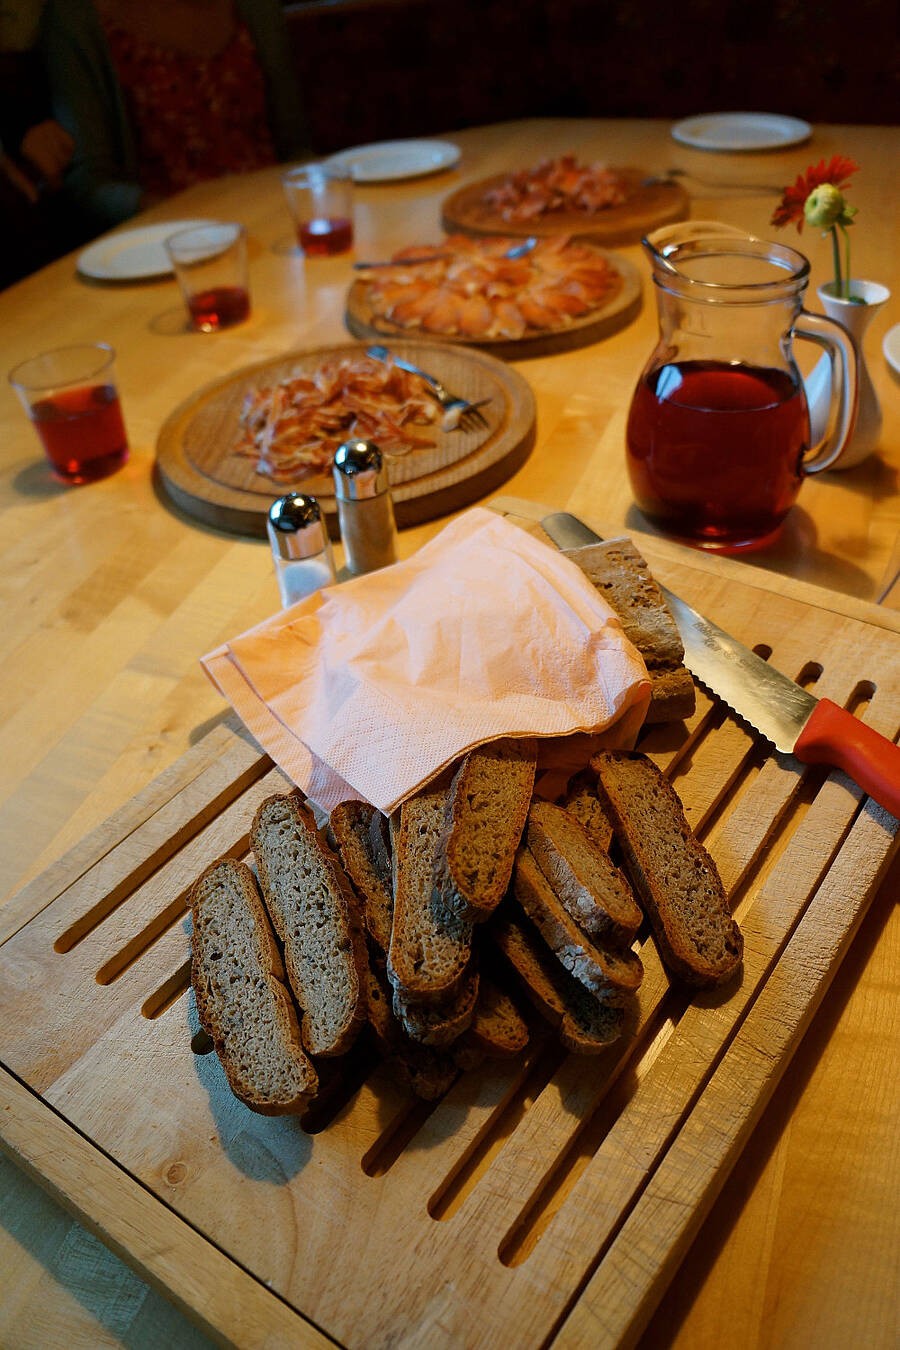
x: 295, y: 527
x: 359, y: 471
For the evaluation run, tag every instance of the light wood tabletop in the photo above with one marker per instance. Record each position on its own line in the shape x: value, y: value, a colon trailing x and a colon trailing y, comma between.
x: 111, y: 595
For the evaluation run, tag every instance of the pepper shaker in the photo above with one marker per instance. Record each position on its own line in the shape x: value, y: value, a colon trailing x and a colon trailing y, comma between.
x: 365, y: 509
x: 301, y: 549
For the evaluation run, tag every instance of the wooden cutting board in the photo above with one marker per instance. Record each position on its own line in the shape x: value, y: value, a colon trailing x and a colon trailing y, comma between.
x: 201, y: 471
x: 509, y: 1213
x: 644, y: 209
x: 616, y: 313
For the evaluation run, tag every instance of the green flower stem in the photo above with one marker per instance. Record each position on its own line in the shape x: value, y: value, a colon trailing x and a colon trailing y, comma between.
x: 838, y: 284
x: 846, y: 260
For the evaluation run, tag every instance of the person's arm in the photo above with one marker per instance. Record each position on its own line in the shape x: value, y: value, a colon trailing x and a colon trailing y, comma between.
x: 87, y: 102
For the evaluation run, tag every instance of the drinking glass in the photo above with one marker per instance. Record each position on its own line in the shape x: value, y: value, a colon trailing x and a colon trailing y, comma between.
x: 718, y: 433
x: 320, y: 198
x: 210, y: 262
x: 71, y: 397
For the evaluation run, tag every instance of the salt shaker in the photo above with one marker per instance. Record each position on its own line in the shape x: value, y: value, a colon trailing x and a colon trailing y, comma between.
x: 365, y: 509
x: 300, y: 547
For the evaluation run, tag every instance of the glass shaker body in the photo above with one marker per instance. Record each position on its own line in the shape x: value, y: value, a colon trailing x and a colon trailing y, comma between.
x: 301, y: 549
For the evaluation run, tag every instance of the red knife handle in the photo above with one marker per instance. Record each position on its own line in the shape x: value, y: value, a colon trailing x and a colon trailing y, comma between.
x: 834, y: 736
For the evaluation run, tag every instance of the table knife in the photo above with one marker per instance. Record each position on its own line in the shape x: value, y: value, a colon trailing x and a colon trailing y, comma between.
x: 815, y: 730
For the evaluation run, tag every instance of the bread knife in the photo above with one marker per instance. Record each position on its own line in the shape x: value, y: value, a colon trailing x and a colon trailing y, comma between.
x: 815, y: 730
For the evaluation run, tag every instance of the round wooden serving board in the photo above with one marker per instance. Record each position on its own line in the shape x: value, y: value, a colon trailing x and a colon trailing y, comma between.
x: 198, y: 468
x: 644, y: 209
x: 620, y: 309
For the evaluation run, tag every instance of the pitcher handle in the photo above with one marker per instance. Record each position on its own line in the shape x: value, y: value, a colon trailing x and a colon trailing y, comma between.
x: 829, y: 334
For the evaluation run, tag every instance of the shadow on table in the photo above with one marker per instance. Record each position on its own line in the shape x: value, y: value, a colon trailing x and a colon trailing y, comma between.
x: 119, y: 1308
x: 795, y: 553
x: 37, y: 482
x: 171, y: 323
x: 268, y: 1149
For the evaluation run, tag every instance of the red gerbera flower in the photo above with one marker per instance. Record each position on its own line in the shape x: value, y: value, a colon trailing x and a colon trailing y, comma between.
x: 837, y: 172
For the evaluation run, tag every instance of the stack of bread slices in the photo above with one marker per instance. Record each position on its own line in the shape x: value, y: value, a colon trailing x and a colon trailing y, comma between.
x: 436, y: 930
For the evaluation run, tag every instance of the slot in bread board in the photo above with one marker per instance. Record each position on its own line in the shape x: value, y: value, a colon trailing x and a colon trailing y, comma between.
x: 510, y: 1211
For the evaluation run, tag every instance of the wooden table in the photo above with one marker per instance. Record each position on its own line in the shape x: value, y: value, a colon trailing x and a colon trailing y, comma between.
x: 110, y: 598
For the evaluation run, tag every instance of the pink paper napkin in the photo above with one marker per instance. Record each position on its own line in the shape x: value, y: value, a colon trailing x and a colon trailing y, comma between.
x: 371, y: 688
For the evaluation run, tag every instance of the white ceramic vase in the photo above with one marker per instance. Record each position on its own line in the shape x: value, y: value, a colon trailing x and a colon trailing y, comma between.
x: 856, y: 319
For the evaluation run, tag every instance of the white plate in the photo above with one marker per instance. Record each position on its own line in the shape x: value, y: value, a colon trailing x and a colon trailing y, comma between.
x: 741, y: 131
x: 891, y: 347
x: 133, y: 255
x: 387, y: 160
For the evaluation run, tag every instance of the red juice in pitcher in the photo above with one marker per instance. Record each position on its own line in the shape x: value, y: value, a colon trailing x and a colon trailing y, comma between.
x: 715, y: 449
x: 83, y: 432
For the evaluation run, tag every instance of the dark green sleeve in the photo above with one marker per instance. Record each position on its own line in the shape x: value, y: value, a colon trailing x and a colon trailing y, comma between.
x: 102, y: 180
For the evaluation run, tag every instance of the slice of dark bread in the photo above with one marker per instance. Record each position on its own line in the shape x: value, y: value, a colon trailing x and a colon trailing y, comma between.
x: 674, y: 875
x: 352, y: 826
x: 439, y: 1023
x: 485, y: 815
x: 427, y: 1072
x: 242, y: 996
x: 585, y: 1025
x: 587, y: 883
x: 313, y: 910
x: 498, y: 1029
x: 430, y: 946
x: 621, y: 575
x: 387, y: 1031
x: 381, y: 848
x: 602, y: 968
x: 581, y: 801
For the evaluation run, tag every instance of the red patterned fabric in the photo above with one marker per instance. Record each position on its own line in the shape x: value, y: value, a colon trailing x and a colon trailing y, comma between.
x: 193, y: 117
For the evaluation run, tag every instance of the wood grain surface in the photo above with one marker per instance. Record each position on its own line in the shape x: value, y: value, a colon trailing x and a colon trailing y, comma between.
x: 527, y: 1179
x: 110, y: 595
x: 202, y: 472
x: 645, y: 207
x: 608, y: 318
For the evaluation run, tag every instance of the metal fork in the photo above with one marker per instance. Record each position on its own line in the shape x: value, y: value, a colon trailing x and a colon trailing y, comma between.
x: 470, y: 414
x: 669, y: 176
x: 519, y: 250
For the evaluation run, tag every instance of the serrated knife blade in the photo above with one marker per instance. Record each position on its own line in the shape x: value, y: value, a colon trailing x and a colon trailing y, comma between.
x: 817, y: 731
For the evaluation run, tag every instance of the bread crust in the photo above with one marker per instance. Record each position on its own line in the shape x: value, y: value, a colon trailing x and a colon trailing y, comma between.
x: 675, y: 927
x: 430, y: 947
x: 601, y: 969
x: 498, y: 1028
x: 352, y: 825
x: 342, y: 919
x: 501, y: 765
x: 269, y: 964
x: 585, y: 1025
x: 617, y: 570
x: 439, y: 1024
x: 584, y: 879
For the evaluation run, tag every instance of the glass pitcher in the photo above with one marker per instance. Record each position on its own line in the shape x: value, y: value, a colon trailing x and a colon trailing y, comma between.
x: 718, y: 435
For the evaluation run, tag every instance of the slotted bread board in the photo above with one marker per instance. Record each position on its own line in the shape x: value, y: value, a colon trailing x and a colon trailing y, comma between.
x: 545, y: 1201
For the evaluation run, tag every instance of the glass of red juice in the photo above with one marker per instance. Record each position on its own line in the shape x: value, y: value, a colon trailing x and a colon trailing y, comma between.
x: 718, y: 432
x: 72, y: 399
x: 320, y: 199
x: 210, y: 263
